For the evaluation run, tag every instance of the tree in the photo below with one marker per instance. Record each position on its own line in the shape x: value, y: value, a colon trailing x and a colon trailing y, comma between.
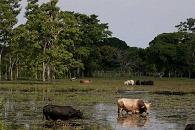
x: 189, y: 38
x: 9, y: 11
x: 106, y: 56
x: 46, y: 23
x: 115, y: 42
x: 138, y: 59
x: 92, y: 33
x: 163, y: 52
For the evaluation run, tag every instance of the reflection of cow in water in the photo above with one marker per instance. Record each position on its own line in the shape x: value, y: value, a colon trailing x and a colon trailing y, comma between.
x: 133, y: 120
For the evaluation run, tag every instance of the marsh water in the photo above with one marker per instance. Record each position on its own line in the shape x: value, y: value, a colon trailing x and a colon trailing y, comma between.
x: 169, y: 111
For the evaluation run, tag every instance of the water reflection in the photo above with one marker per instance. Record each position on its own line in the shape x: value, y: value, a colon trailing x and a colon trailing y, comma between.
x: 133, y: 120
x: 23, y: 109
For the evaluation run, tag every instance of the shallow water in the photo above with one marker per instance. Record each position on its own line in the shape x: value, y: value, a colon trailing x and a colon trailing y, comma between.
x: 23, y: 110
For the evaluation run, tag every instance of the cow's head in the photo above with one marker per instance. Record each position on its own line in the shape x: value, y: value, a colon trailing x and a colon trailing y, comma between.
x: 79, y: 114
x: 148, y: 107
x: 143, y: 109
x: 142, y: 106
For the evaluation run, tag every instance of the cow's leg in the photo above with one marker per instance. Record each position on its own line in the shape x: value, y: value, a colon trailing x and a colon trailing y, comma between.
x: 134, y: 111
x: 47, y: 117
x: 120, y: 110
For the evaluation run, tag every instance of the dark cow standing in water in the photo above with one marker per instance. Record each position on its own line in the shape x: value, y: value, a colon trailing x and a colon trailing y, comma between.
x: 190, y: 127
x: 54, y: 112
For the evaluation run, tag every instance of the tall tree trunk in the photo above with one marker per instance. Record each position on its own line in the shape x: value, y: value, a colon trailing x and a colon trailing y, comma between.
x: 169, y: 74
x: 189, y: 74
x: 17, y: 67
x: 78, y: 72
x: 35, y: 73
x: 43, y: 73
x: 0, y: 61
x: 10, y: 71
x: 6, y: 75
x: 53, y: 75
x: 19, y: 70
x: 69, y: 71
x: 44, y: 69
x: 48, y: 72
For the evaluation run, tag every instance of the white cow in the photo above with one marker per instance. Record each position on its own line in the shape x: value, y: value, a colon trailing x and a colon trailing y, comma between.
x: 129, y: 82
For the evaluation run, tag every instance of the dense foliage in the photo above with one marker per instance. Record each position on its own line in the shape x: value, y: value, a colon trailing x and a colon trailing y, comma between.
x: 57, y: 44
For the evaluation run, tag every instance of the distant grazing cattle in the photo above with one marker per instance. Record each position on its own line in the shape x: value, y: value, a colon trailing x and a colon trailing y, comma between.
x: 86, y: 81
x: 133, y: 121
x: 54, y: 112
x: 73, y: 79
x: 147, y: 82
x: 129, y: 82
x: 132, y: 105
x: 190, y: 127
x: 138, y: 82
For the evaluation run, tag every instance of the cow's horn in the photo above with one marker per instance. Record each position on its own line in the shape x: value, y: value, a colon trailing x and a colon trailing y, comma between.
x: 142, y: 106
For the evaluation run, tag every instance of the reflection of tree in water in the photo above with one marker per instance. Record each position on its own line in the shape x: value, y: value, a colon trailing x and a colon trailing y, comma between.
x: 133, y: 120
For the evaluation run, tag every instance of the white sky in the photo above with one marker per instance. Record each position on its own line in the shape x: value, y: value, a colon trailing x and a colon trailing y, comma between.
x: 137, y: 22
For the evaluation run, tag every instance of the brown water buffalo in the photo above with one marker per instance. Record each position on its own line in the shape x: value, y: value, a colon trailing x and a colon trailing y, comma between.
x: 190, y: 127
x: 86, y: 81
x: 132, y: 105
x: 133, y: 121
x: 54, y: 112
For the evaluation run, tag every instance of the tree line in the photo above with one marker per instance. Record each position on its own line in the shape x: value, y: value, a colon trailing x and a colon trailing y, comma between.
x: 57, y: 44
